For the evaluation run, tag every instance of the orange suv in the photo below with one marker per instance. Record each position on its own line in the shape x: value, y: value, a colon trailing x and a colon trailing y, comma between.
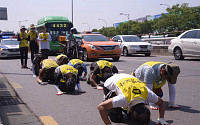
x: 98, y: 46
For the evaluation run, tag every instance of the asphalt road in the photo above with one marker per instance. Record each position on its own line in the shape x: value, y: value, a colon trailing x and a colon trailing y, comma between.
x: 81, y: 109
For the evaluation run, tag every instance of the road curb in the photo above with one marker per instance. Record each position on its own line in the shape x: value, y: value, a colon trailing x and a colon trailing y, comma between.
x: 13, y: 111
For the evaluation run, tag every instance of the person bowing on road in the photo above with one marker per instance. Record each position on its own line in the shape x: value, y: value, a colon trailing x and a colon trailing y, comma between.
x: 100, y: 71
x: 46, y: 74
x: 132, y: 94
x: 155, y: 75
x: 66, y: 78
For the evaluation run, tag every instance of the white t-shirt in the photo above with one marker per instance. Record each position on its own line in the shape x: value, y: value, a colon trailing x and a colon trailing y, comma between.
x: 46, y: 44
x: 120, y: 100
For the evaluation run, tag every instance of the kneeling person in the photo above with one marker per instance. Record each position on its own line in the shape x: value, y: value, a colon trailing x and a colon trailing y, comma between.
x: 80, y: 66
x: 61, y: 59
x: 132, y: 94
x: 66, y: 78
x: 100, y: 71
x: 47, y: 71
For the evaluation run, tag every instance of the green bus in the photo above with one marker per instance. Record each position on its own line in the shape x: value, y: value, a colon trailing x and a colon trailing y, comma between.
x: 56, y: 26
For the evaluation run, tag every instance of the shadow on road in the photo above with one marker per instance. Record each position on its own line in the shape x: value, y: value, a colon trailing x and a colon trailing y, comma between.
x: 183, y: 109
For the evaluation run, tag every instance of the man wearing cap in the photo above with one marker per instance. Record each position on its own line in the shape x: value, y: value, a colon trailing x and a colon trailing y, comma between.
x: 33, y: 44
x: 23, y: 46
x: 155, y: 75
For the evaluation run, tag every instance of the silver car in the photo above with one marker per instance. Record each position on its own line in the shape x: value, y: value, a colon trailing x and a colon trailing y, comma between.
x: 186, y: 45
x: 9, y: 48
x: 131, y: 44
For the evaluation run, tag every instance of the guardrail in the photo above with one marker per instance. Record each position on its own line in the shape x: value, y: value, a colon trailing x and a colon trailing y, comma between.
x: 159, y: 41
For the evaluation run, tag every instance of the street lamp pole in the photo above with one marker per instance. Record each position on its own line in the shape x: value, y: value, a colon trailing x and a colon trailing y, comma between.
x: 128, y: 20
x: 72, y: 12
x: 104, y: 21
x: 21, y: 21
x: 166, y: 5
x: 88, y: 25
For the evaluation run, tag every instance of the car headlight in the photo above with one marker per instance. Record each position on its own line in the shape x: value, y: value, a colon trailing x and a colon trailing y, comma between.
x: 92, y: 46
x: 150, y: 47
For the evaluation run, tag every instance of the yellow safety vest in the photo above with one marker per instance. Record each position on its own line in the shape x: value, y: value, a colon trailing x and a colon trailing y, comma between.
x: 49, y: 63
x: 23, y: 42
x: 158, y: 84
x: 133, y: 89
x: 75, y: 61
x: 42, y: 36
x: 61, y: 55
x: 102, y: 64
x: 68, y: 69
x: 33, y: 34
x: 65, y: 69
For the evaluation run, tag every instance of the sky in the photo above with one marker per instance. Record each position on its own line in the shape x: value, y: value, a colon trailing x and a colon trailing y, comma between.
x: 84, y: 11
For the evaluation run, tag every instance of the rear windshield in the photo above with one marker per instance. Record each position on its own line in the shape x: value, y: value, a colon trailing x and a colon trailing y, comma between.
x: 90, y: 38
x: 131, y: 39
x: 9, y: 42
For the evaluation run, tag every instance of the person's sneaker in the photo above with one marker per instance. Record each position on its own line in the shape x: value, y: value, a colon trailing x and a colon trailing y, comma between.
x: 81, y: 91
x: 25, y: 67
x: 173, y: 105
x: 99, y: 88
x: 153, y: 107
x: 22, y: 66
x: 34, y: 76
x: 59, y: 93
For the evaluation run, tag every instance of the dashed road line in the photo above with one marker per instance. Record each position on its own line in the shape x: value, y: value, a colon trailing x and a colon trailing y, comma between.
x: 48, y: 120
x: 15, y: 84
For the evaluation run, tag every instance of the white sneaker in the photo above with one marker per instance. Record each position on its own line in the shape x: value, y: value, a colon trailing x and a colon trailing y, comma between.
x: 34, y: 76
x: 154, y: 107
x: 99, y: 88
x: 173, y: 105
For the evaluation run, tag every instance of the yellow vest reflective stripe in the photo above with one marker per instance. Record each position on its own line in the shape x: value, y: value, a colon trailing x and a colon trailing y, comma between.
x: 133, y: 88
x: 75, y: 61
x: 102, y: 64
x: 161, y: 83
x: 42, y: 36
x: 23, y: 42
x: 58, y: 57
x: 33, y: 34
x: 48, y: 63
x: 68, y: 69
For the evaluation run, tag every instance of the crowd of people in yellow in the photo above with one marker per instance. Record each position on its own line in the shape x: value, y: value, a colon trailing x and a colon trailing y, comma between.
x: 123, y: 93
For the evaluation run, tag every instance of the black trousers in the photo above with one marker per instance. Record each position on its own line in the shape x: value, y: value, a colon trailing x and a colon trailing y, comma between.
x: 45, y: 53
x: 34, y: 49
x: 24, y: 55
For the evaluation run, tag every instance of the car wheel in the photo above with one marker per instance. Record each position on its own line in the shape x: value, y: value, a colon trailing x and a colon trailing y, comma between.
x: 125, y: 52
x: 178, y: 54
x: 147, y: 54
x: 115, y: 58
x: 85, y: 55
